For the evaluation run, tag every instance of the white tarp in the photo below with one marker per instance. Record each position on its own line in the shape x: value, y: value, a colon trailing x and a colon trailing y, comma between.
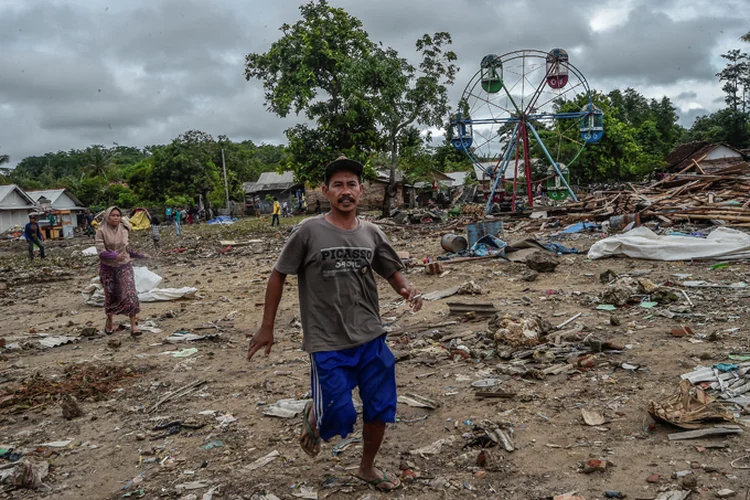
x: 642, y: 243
x: 146, y: 283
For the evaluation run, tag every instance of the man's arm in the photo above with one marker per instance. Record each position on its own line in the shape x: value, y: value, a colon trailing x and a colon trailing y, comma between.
x: 264, y: 335
x: 408, y: 291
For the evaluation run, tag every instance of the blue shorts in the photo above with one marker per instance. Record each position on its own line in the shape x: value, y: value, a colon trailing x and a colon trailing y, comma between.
x: 335, y: 374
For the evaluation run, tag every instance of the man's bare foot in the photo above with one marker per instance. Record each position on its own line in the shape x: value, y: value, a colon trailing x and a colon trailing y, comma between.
x: 309, y: 440
x: 379, y: 479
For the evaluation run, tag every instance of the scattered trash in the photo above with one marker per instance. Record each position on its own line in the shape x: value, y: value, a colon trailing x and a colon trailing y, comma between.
x: 689, y: 408
x: 286, y: 408
x: 262, y: 462
x: 725, y: 493
x: 194, y: 485
x: 212, y: 444
x: 184, y: 353
x: 306, y: 492
x: 441, y: 294
x: 225, y: 420
x: 719, y: 430
x: 30, y: 475
x: 417, y: 401
x: 488, y: 382
x: 592, y: 417
x: 674, y: 495
x: 434, y: 448
x: 345, y: 444
x: 56, y: 341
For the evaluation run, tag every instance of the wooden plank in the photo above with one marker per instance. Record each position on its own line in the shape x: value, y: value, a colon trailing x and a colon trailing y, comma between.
x: 722, y: 430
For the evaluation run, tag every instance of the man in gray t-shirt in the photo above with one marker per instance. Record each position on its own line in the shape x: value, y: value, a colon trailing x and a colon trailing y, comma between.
x: 335, y: 256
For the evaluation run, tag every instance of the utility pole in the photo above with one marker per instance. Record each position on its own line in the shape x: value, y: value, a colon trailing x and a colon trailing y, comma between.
x: 226, y: 184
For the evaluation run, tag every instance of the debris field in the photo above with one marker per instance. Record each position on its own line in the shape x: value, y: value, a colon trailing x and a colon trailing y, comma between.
x: 532, y: 372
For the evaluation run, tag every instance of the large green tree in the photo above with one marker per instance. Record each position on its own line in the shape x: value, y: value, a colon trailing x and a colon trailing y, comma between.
x: 307, y: 71
x: 736, y: 76
x: 403, y: 96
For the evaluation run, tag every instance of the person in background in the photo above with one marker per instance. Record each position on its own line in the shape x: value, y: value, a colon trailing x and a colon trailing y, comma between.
x: 177, y: 221
x: 52, y: 219
x: 190, y: 216
x: 168, y: 214
x: 155, y: 232
x: 34, y: 236
x: 276, y: 212
x: 285, y: 208
x: 89, y: 218
x: 317, y: 207
x: 116, y: 270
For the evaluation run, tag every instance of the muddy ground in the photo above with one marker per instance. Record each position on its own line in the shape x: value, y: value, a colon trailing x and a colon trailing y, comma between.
x: 116, y: 452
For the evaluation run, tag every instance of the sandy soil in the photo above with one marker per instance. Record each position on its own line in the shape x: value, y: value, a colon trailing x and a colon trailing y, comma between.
x: 115, y: 441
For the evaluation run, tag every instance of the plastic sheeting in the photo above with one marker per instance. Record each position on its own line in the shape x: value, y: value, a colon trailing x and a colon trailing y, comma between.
x: 642, y: 243
x: 146, y: 283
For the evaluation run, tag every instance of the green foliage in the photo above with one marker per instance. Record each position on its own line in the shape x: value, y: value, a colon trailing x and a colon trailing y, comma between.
x: 736, y: 77
x: 724, y: 126
x: 732, y: 124
x: 308, y: 70
x: 402, y: 95
x: 360, y: 97
x: 633, y: 145
x: 183, y: 169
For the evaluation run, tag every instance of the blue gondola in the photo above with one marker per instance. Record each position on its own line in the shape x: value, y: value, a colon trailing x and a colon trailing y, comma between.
x: 461, y: 133
x: 592, y: 124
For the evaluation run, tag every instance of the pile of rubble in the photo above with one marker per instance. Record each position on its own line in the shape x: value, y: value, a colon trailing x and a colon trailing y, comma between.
x: 722, y: 196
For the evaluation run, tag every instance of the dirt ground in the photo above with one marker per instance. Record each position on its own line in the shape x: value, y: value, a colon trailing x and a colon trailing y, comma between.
x: 116, y: 451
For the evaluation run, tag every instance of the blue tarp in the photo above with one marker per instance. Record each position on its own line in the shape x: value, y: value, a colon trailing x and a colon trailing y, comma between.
x: 222, y: 219
x: 560, y: 249
x: 579, y: 227
x: 488, y: 245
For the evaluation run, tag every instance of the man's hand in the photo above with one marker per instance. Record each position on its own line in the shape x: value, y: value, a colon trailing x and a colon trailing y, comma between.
x: 146, y: 256
x: 121, y: 256
x: 263, y: 337
x: 412, y: 295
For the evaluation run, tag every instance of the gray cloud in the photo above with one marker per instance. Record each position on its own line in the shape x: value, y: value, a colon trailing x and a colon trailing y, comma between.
x: 687, y: 95
x: 95, y: 71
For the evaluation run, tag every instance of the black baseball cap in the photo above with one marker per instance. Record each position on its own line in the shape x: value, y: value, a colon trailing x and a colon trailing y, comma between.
x: 343, y: 163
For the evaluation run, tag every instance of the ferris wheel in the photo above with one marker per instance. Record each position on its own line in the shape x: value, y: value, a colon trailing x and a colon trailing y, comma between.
x: 515, y: 115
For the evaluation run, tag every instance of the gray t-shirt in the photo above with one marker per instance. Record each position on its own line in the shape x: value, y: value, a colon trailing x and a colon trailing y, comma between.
x: 338, y: 296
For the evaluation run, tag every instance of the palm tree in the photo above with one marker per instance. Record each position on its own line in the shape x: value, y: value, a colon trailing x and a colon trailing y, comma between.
x: 745, y: 37
x: 99, y: 160
x: 4, y: 159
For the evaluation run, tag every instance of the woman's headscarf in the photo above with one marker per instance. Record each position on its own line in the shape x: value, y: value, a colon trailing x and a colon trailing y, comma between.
x: 114, y: 239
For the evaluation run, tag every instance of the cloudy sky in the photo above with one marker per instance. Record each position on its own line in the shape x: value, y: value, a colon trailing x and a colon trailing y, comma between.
x: 141, y: 72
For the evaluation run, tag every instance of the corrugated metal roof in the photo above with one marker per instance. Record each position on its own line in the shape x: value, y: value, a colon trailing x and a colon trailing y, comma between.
x: 459, y: 178
x: 6, y: 189
x: 56, y: 341
x: 53, y: 195
x: 271, y: 181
